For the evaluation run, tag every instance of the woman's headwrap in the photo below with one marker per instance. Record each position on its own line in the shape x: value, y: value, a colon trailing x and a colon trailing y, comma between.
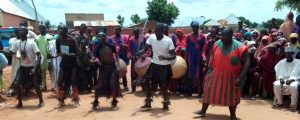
x: 194, y: 24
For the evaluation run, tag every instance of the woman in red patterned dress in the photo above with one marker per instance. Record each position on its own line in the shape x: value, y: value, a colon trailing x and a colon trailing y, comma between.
x: 229, y: 65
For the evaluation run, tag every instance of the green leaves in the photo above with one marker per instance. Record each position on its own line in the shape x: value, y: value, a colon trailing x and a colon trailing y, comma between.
x: 269, y: 24
x: 135, y: 19
x: 120, y: 20
x: 291, y: 4
x: 161, y: 11
x: 248, y: 22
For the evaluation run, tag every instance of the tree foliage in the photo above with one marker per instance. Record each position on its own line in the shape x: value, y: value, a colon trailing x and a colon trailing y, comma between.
x: 268, y: 24
x: 135, y: 19
x: 291, y: 4
x: 162, y: 11
x: 120, y: 20
x: 248, y: 22
x: 47, y: 24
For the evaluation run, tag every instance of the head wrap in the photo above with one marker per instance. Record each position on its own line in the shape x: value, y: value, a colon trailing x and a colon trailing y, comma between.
x: 194, y: 24
x: 294, y: 35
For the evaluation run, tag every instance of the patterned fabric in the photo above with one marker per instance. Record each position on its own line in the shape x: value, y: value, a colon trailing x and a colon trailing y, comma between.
x: 225, y: 68
x: 121, y: 50
x: 135, y: 45
x: 194, y: 57
x: 267, y: 64
x: 108, y: 82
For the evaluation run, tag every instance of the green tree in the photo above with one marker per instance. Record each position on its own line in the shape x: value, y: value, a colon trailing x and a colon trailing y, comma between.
x: 268, y: 24
x: 248, y: 22
x: 291, y: 4
x: 162, y: 11
x: 47, y: 24
x: 135, y: 19
x: 120, y: 20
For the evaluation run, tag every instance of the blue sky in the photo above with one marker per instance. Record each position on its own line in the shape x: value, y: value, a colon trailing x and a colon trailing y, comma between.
x: 255, y: 10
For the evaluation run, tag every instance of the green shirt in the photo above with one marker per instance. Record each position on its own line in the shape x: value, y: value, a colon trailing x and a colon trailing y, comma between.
x: 42, y: 44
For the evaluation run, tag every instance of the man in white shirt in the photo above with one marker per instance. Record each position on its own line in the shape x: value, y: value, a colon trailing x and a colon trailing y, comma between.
x: 29, y: 69
x: 159, y: 72
x: 288, y: 76
x: 54, y: 63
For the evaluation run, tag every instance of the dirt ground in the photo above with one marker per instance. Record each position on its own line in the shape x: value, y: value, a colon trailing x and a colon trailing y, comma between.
x: 129, y: 109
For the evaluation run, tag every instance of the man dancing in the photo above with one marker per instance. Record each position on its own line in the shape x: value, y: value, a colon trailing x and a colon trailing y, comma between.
x: 108, y: 81
x: 159, y: 72
x: 222, y: 84
x: 30, y: 66
x: 67, y: 49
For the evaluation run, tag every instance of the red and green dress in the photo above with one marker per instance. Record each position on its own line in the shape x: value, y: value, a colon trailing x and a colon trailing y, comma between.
x: 225, y: 68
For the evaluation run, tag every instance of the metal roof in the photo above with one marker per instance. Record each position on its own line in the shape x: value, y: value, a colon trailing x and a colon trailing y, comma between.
x: 19, y: 8
x: 212, y: 23
x: 186, y: 21
x: 96, y: 23
x: 232, y: 20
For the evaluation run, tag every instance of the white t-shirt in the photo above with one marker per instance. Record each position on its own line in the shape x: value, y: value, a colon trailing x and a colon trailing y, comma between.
x: 160, y: 47
x: 30, y: 48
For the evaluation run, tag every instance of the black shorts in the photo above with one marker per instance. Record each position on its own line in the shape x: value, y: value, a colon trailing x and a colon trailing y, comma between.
x: 25, y: 79
x: 158, y: 75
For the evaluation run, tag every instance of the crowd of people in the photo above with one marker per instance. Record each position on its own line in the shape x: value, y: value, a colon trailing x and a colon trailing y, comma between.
x: 222, y: 65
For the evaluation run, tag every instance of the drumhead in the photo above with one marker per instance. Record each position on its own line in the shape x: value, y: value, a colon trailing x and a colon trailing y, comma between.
x: 140, y: 64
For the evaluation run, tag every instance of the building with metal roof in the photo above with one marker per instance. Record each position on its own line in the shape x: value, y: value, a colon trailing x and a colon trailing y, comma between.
x: 12, y: 11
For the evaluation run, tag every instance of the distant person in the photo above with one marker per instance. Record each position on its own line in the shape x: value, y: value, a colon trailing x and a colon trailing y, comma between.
x: 121, y: 43
x: 294, y: 43
x: 42, y: 42
x: 136, y: 43
x: 54, y: 64
x: 267, y: 61
x: 195, y: 57
x: 222, y: 85
x: 287, y: 27
x: 296, y: 28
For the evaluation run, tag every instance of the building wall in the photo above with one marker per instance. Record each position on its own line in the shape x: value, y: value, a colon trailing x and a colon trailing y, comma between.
x: 1, y: 18
x: 71, y: 17
x: 10, y: 20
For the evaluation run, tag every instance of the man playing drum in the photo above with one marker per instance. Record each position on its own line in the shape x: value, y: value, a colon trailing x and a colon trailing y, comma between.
x: 159, y: 72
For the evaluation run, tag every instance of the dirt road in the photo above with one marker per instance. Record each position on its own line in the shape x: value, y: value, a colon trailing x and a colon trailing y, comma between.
x: 129, y: 109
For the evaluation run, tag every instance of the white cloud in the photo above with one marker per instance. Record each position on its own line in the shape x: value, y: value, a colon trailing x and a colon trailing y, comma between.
x: 255, y: 10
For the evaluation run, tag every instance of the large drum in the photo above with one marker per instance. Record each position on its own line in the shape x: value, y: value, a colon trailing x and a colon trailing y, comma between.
x: 179, y: 67
x: 141, y: 67
x: 122, y: 68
